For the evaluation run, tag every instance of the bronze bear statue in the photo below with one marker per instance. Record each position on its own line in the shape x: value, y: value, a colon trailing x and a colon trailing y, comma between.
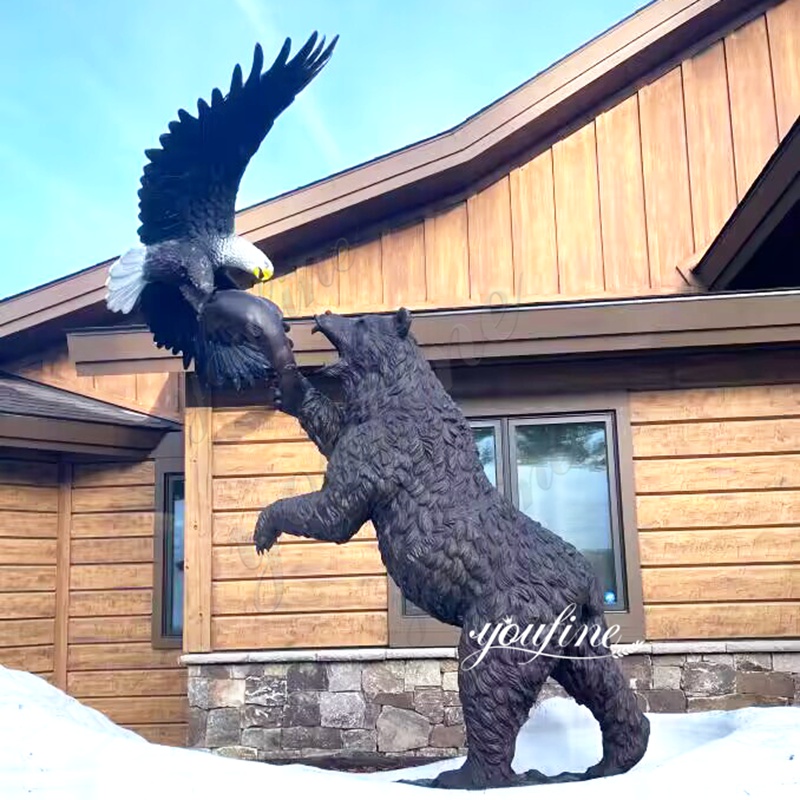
x: 401, y: 454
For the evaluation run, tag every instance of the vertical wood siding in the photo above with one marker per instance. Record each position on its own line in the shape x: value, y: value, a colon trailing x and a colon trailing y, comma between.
x: 709, y: 142
x: 578, y: 234
x: 621, y: 184
x: 752, y: 97
x: 612, y: 209
x: 533, y: 228
x: 665, y: 165
x: 718, y: 503
x: 783, y: 36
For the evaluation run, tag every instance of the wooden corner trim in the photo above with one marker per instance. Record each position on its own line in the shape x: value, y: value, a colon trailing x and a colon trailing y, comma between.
x: 197, y: 529
x: 63, y: 542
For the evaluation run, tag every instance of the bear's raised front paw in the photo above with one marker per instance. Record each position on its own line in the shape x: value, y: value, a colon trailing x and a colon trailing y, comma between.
x: 266, y: 534
x: 291, y: 390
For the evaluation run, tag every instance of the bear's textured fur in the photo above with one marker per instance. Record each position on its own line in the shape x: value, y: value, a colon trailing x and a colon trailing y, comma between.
x: 401, y: 453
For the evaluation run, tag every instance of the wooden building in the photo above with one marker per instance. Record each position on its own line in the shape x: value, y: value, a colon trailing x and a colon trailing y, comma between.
x: 606, y: 255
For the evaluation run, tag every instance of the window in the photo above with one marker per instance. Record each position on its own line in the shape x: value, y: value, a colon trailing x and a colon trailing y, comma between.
x: 169, y: 524
x: 563, y: 470
x: 172, y: 606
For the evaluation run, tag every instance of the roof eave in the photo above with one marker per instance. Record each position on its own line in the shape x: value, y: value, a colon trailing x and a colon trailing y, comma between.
x: 530, y: 116
x: 59, y: 420
x: 564, y: 329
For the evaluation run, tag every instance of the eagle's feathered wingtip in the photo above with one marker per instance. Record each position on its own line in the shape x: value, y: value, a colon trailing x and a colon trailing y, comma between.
x: 125, y: 281
x: 316, y: 57
x: 260, y: 99
x: 313, y: 55
x: 258, y: 65
x: 236, y: 80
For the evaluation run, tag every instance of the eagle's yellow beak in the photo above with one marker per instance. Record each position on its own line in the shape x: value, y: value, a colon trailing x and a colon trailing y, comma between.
x: 264, y: 274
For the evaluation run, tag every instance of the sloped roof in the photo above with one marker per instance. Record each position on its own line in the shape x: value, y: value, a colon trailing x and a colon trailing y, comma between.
x: 288, y: 226
x: 22, y: 397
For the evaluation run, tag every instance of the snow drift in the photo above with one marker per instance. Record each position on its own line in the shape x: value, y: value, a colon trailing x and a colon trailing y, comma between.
x: 51, y: 746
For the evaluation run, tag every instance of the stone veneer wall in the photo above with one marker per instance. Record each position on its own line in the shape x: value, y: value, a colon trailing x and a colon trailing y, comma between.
x: 410, y: 708
x: 286, y: 711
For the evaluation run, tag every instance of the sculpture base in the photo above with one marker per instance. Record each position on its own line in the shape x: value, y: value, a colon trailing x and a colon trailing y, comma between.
x: 531, y: 777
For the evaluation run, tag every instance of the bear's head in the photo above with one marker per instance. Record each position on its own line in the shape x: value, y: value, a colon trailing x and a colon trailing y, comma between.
x: 373, y: 345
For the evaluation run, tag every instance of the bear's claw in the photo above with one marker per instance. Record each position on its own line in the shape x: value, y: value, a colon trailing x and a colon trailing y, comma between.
x: 265, y: 534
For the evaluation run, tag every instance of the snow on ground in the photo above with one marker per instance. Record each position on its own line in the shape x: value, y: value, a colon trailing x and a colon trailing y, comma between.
x: 51, y: 746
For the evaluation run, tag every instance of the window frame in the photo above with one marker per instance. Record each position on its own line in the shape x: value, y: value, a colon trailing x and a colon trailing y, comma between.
x: 481, y: 412
x: 168, y: 460
x: 609, y: 419
x: 500, y: 453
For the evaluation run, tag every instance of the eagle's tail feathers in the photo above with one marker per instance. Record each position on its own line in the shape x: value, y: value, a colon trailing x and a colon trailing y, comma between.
x: 126, y: 280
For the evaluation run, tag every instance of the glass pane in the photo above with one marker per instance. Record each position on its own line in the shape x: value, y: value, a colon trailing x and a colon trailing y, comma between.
x: 563, y: 482
x: 486, y: 442
x: 173, y: 594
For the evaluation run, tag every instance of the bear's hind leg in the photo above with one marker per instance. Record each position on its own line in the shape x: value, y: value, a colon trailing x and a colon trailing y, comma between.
x: 600, y: 685
x: 497, y: 696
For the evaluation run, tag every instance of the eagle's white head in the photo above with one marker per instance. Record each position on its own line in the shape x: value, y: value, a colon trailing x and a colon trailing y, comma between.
x: 244, y: 263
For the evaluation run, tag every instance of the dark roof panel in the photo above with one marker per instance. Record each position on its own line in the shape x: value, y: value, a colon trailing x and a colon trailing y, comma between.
x: 22, y: 397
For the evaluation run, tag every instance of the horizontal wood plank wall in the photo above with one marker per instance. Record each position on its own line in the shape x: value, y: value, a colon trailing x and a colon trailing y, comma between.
x: 610, y: 210
x: 302, y: 593
x: 28, y: 551
x: 111, y: 664
x: 718, y: 503
x: 157, y: 393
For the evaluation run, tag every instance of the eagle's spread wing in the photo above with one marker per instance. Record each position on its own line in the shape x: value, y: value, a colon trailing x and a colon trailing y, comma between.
x: 189, y: 187
x: 171, y: 320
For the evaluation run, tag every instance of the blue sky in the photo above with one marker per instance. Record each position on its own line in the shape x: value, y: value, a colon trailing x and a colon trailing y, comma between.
x: 87, y: 85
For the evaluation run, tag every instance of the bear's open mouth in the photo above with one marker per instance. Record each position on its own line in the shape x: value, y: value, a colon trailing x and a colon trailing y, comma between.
x: 320, y: 326
x: 333, y: 368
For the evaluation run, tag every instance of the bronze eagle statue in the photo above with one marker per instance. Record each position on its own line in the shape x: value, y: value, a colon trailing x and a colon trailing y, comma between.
x: 185, y: 276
